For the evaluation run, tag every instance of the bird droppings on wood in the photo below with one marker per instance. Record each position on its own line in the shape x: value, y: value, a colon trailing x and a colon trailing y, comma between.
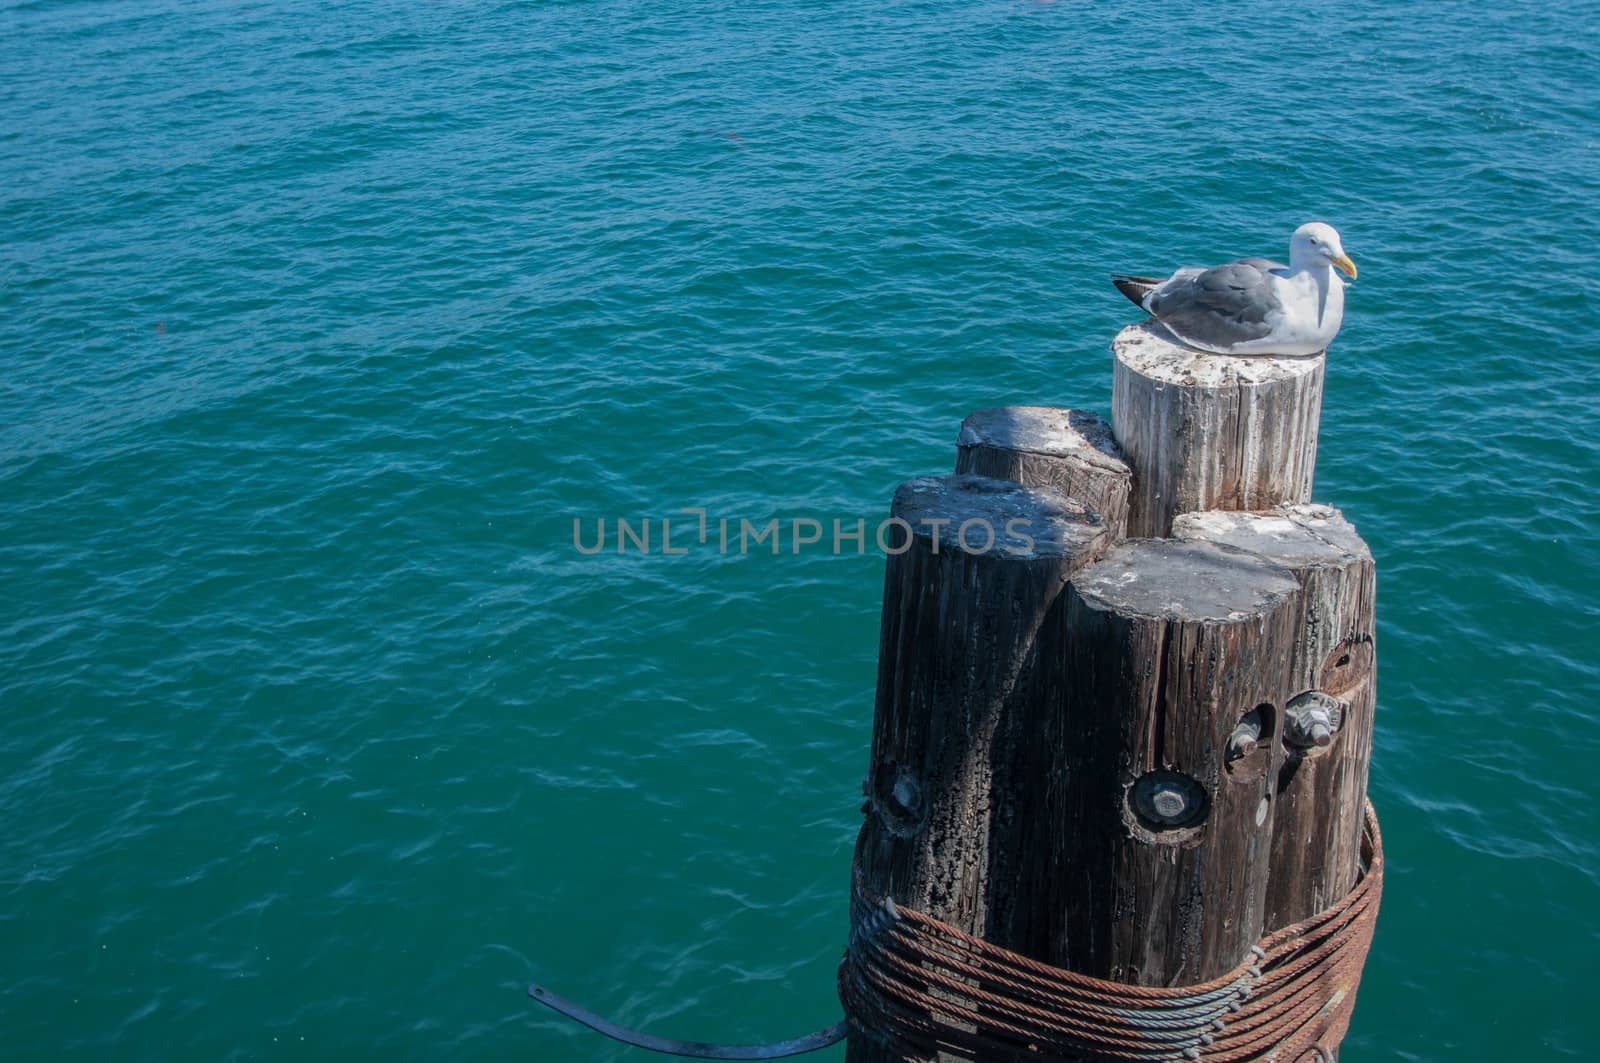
x: 1205, y: 431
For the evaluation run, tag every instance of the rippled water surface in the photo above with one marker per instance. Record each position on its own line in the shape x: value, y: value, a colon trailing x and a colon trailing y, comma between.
x: 323, y: 322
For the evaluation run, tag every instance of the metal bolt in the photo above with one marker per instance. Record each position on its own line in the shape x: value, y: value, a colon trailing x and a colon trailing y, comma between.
x: 906, y: 794
x: 901, y: 809
x: 1311, y: 719
x: 1168, y: 798
x: 1169, y: 803
x: 1246, y: 737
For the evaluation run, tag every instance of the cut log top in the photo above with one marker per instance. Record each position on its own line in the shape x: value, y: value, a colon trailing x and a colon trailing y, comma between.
x: 1185, y: 581
x: 962, y: 511
x: 1151, y: 351
x: 1297, y: 536
x: 1072, y: 451
x: 1046, y: 430
x: 1211, y: 431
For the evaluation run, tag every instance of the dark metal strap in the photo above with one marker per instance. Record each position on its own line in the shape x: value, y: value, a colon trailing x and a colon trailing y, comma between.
x: 694, y: 1049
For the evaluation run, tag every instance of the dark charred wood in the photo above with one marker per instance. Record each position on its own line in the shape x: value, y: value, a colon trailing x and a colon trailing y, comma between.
x: 953, y: 786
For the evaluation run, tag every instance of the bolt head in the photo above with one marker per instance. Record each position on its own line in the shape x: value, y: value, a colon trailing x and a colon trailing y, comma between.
x: 905, y: 793
x: 1166, y: 798
x: 1311, y: 719
x: 1169, y: 803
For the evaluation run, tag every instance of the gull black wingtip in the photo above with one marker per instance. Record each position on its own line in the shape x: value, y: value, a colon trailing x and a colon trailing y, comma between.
x: 1135, y: 288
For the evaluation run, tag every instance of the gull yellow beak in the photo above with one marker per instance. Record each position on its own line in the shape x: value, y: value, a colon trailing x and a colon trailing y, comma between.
x: 1345, y: 266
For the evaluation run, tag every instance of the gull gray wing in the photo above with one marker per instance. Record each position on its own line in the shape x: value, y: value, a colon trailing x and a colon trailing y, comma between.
x: 1265, y: 265
x: 1217, y: 308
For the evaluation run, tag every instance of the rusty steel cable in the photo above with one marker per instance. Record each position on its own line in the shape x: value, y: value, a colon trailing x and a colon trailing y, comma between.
x: 920, y: 986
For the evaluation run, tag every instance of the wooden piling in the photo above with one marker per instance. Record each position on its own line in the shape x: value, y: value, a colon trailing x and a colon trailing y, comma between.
x: 1209, y: 431
x: 1138, y: 777
x: 1072, y: 451
x: 1160, y: 809
x: 1321, y: 788
x: 959, y: 708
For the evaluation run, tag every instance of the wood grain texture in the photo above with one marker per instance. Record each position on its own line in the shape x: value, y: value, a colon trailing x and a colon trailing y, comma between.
x: 1208, y: 431
x: 1072, y: 451
x: 1321, y: 792
x: 952, y: 789
x: 1168, y: 646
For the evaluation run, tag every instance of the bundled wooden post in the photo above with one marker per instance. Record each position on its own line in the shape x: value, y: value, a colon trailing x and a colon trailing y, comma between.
x: 979, y: 571
x: 1328, y: 731
x: 1163, y: 760
x: 1210, y: 431
x: 1135, y: 780
x: 1072, y: 451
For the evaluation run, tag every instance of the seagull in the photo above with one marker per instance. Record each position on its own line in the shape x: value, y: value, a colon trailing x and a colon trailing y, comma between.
x: 1254, y: 305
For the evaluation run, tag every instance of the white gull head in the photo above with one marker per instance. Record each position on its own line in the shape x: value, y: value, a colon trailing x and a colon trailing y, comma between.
x: 1316, y: 244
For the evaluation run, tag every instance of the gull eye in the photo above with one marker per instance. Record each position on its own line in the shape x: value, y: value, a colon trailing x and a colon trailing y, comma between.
x: 1314, y: 240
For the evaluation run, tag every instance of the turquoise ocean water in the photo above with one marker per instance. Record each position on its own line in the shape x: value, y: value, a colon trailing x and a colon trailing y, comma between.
x: 322, y: 322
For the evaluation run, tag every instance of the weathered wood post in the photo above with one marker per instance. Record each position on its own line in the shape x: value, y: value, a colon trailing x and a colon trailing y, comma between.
x: 1328, y: 739
x: 978, y: 572
x: 1089, y: 809
x: 1072, y: 451
x: 1210, y: 431
x: 1162, y: 760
